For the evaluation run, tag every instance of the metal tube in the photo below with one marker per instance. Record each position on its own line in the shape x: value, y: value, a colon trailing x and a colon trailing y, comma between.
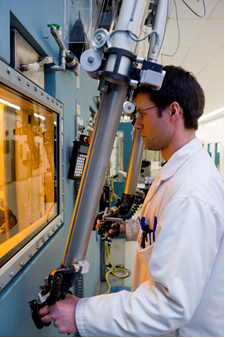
x: 93, y: 177
x: 134, y: 165
x: 159, y: 27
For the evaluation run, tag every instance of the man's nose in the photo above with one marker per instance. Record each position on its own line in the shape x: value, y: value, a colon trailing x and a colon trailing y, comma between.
x: 138, y: 125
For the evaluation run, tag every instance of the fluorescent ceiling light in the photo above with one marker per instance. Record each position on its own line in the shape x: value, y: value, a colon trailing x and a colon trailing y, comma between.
x: 213, y: 113
x: 40, y: 117
x: 9, y: 104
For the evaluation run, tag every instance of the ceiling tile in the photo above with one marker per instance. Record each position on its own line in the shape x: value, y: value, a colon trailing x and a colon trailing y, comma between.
x: 218, y: 60
x: 218, y: 12
x: 212, y: 34
x: 196, y: 5
x: 209, y: 73
x: 189, y: 30
x: 199, y: 57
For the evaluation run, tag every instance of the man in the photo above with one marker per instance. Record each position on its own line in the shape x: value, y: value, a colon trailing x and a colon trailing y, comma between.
x: 178, y: 278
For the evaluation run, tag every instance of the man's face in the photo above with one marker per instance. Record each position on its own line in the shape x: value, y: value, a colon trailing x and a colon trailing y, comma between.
x: 155, y: 131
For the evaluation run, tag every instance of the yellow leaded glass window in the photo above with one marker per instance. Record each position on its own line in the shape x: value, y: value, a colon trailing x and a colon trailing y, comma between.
x: 28, y: 163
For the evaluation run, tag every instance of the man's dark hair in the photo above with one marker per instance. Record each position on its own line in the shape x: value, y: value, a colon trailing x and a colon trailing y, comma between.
x: 182, y: 87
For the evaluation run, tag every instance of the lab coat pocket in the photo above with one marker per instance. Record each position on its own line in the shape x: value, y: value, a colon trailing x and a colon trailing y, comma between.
x: 144, y: 254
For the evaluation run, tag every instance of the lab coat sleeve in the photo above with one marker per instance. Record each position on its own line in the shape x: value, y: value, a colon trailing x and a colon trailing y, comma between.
x: 187, y: 240
x: 131, y: 229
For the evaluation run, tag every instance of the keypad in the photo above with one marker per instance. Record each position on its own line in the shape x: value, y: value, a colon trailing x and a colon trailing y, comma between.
x: 79, y: 165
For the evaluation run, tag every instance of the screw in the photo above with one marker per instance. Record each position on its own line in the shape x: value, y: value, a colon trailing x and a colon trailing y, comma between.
x: 90, y: 59
x: 99, y: 38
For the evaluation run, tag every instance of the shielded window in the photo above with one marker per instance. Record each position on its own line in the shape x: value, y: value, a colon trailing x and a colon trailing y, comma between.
x: 28, y: 170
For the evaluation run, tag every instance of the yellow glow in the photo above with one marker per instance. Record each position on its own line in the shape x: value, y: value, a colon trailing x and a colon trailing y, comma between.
x: 9, y: 104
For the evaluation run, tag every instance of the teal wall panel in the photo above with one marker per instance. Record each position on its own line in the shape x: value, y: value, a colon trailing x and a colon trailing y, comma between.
x: 30, y: 18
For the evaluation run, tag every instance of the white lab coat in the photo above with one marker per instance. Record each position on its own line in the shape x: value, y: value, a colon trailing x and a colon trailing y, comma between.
x: 178, y: 280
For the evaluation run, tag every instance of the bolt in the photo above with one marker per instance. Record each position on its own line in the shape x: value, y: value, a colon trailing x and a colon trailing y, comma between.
x: 53, y: 100
x: 43, y: 240
x: 99, y: 38
x: 90, y: 59
x: 47, y: 97
x: 53, y: 229
x: 11, y: 274
x: 28, y: 84
x: 48, y: 235
x: 19, y: 78
x: 60, y: 106
x: 57, y: 225
x: 35, y: 88
x: 21, y: 263
x: 8, y: 70
x: 30, y: 254
x: 42, y: 93
x: 62, y: 117
x: 37, y: 247
x: 57, y: 103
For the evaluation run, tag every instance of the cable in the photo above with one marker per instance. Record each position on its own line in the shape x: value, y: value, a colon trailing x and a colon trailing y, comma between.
x: 178, y: 30
x: 112, y: 271
x: 113, y: 195
x: 164, y: 27
x: 145, y: 37
x: 200, y: 16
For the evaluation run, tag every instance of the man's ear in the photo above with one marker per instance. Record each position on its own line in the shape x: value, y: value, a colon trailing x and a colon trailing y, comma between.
x: 175, y: 111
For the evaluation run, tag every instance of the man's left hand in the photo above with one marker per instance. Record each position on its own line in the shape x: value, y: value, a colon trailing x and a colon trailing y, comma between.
x: 62, y: 313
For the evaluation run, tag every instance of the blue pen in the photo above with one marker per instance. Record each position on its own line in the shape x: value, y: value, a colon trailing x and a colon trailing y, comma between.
x: 143, y: 223
x: 154, y: 227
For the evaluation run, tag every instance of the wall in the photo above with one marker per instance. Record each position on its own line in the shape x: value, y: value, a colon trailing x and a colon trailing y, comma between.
x: 30, y: 18
x: 212, y: 131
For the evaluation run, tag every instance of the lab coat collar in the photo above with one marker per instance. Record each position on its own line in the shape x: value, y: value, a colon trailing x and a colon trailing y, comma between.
x: 179, y: 157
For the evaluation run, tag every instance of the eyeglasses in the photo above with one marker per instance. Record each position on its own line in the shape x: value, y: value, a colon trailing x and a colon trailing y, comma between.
x: 138, y: 113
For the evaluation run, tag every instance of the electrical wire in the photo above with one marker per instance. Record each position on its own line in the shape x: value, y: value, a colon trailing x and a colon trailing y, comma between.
x: 200, y: 16
x: 178, y: 31
x: 167, y: 15
x: 113, y: 270
x: 113, y: 195
x: 145, y: 37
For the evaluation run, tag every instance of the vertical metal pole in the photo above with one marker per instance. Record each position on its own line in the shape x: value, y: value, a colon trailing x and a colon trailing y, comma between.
x: 134, y: 165
x: 93, y: 177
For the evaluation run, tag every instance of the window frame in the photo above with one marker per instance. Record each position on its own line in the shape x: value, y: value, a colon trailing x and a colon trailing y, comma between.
x: 21, y: 84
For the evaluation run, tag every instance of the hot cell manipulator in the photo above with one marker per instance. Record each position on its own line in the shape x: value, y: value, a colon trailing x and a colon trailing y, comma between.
x: 115, y: 68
